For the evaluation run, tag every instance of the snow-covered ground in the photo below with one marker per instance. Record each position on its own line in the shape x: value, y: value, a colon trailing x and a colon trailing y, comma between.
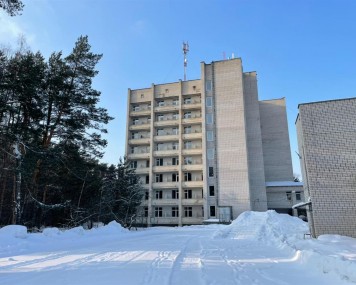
x: 257, y: 248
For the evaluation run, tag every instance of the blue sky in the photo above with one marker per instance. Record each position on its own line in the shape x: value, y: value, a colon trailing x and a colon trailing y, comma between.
x: 302, y: 50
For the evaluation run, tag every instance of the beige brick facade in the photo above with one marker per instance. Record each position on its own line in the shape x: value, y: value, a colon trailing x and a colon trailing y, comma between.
x: 327, y: 146
x: 198, y: 146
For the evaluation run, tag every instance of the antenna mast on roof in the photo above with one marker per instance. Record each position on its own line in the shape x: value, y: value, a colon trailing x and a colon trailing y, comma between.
x: 185, y: 51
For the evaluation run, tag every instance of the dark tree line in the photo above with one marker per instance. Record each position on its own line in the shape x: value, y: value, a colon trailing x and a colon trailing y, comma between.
x: 50, y: 142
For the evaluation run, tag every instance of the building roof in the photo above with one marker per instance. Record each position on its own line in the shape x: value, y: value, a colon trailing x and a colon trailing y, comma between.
x: 326, y: 101
x: 283, y: 184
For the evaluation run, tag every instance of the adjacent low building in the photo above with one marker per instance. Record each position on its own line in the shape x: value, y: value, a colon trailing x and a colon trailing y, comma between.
x: 327, y: 146
x: 206, y: 149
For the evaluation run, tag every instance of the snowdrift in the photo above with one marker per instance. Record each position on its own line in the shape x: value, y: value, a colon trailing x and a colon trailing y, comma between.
x: 329, y: 253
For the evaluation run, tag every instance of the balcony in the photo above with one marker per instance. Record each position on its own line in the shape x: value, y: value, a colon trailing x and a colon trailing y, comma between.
x: 196, y: 150
x: 141, y: 112
x: 192, y: 167
x: 166, y: 138
x: 165, y: 185
x: 192, y: 202
x: 194, y: 119
x: 140, y: 126
x: 193, y: 135
x: 166, y: 152
x: 195, y: 105
x: 142, y: 170
x: 165, y: 202
x: 166, y: 122
x: 193, y: 184
x: 140, y: 141
x: 166, y: 168
x: 166, y: 108
x: 143, y: 154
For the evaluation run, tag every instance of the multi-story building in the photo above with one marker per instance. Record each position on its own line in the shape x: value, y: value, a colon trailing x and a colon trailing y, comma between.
x: 205, y: 148
x: 326, y: 134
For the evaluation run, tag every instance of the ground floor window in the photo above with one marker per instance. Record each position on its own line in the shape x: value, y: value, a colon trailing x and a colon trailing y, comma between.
x: 188, y: 212
x: 158, y: 212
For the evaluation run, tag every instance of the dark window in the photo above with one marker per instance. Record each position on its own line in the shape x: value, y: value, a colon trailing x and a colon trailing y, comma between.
x: 187, y: 176
x: 159, y: 162
x: 146, y: 195
x: 158, y: 212
x: 175, y: 212
x: 175, y: 177
x: 146, y: 211
x: 188, y: 194
x: 188, y: 212
x: 159, y: 194
x: 211, y: 171
x: 212, y: 211
x: 211, y: 191
x: 147, y: 163
x: 159, y: 177
x: 175, y: 194
x: 289, y: 195
x: 175, y: 161
x: 147, y: 179
x: 298, y: 196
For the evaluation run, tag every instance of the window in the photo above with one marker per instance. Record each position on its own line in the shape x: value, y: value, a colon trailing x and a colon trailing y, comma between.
x: 188, y: 160
x: 147, y: 163
x: 208, y: 85
x: 158, y: 212
x: 209, y: 101
x: 159, y: 194
x: 159, y: 178
x: 188, y: 130
x: 202, y: 211
x: 211, y: 190
x: 149, y: 106
x: 133, y: 135
x: 159, y: 161
x: 135, y: 121
x: 175, y: 212
x: 142, y: 95
x: 148, y: 119
x: 146, y: 195
x: 160, y: 132
x: 175, y: 194
x: 298, y: 196
x: 160, y: 103
x: 210, y: 136
x: 133, y: 164
x: 175, y: 116
x: 146, y: 212
x: 175, y: 161
x: 209, y: 119
x: 187, y: 115
x: 211, y: 171
x: 188, y: 145
x: 212, y: 211
x: 136, y: 108
x: 289, y: 196
x: 187, y: 100
x: 147, y: 179
x: 175, y: 131
x: 188, y: 194
x: 210, y: 153
x: 175, y: 146
x: 187, y: 176
x: 188, y: 212
x: 175, y: 177
x: 175, y: 102
x: 160, y: 117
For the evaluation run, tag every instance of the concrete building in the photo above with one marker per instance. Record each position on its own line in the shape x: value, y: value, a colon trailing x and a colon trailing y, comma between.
x: 206, y: 148
x: 327, y: 146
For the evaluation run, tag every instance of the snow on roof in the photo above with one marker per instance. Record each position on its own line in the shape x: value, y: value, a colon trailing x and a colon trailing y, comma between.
x: 301, y: 204
x: 283, y: 183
